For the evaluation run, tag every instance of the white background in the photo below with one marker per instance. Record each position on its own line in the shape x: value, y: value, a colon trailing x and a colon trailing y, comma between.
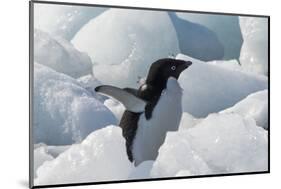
x: 14, y: 92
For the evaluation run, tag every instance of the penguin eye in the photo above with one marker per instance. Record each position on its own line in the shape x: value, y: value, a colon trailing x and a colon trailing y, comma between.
x: 173, y: 68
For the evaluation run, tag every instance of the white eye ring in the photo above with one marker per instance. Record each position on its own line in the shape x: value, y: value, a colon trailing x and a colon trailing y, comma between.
x: 173, y: 67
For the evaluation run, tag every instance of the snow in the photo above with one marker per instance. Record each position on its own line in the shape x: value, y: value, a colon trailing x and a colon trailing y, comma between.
x: 223, y: 26
x: 197, y: 40
x: 100, y: 157
x: 254, y: 52
x: 124, y: 43
x: 63, y: 20
x: 64, y: 112
x: 255, y: 106
x: 210, y: 88
x: 60, y: 55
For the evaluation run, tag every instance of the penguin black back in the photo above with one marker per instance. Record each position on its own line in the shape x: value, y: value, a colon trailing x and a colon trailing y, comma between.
x: 129, y: 125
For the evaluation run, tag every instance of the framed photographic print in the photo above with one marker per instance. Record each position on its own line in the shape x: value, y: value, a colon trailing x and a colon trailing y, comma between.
x: 126, y: 94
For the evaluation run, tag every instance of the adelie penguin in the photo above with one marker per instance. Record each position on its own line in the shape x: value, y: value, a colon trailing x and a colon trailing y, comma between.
x: 151, y: 110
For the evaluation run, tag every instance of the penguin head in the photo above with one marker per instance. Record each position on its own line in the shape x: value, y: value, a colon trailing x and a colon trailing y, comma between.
x: 162, y: 69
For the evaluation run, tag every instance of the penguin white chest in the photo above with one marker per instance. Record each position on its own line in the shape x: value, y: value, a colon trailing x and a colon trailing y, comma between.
x: 166, y: 116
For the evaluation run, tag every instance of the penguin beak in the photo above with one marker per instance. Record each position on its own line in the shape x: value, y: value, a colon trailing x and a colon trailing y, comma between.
x: 185, y: 65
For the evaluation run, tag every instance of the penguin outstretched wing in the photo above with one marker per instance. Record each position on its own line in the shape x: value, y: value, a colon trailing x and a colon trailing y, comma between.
x: 128, y: 97
x: 132, y: 91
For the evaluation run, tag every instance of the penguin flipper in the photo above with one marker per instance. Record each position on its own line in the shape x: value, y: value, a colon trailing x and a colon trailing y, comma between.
x: 132, y: 91
x: 127, y: 98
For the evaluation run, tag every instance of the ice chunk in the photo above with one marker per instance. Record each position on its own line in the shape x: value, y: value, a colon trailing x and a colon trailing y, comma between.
x: 177, y: 154
x: 196, y: 40
x: 255, y: 106
x: 254, y: 52
x: 120, y: 75
x: 115, y: 107
x: 41, y: 155
x: 89, y: 82
x: 183, y: 173
x: 100, y: 157
x: 124, y: 43
x: 229, y: 143
x: 60, y: 55
x: 142, y: 171
x: 220, y: 143
x: 188, y: 121
x: 226, y: 28
x: 54, y: 151
x: 210, y: 88
x: 230, y: 64
x: 64, y: 112
x: 63, y: 20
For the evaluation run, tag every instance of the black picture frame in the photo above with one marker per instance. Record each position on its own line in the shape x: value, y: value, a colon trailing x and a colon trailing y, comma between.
x: 31, y: 64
